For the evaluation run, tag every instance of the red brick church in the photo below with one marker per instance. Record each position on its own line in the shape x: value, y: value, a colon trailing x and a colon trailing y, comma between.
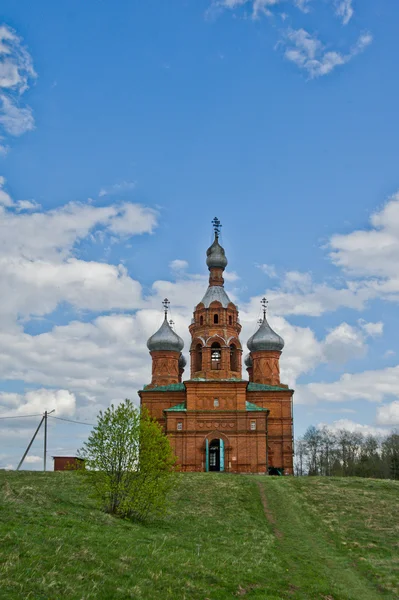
x: 216, y: 420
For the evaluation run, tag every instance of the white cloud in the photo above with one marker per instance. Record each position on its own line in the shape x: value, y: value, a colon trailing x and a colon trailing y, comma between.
x: 269, y: 270
x: 14, y: 119
x: 311, y: 55
x: 344, y: 343
x: 5, y: 198
x: 178, y: 264
x: 372, y: 252
x: 37, y: 401
x: 372, y: 386
x: 344, y: 10
x: 348, y: 425
x: 303, y: 5
x: 117, y: 188
x: 231, y: 276
x: 16, y: 72
x: 28, y: 205
x: 32, y: 459
x: 388, y: 414
x: 372, y: 329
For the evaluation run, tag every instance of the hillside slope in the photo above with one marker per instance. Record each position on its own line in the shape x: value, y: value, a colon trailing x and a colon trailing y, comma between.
x: 226, y: 536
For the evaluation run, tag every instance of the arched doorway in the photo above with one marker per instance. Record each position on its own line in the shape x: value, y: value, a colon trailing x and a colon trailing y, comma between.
x: 214, y: 455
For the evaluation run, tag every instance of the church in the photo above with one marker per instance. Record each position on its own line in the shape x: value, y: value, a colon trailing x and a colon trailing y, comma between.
x: 215, y: 419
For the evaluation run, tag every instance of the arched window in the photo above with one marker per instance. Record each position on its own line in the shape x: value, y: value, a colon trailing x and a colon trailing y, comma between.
x: 230, y: 320
x: 201, y: 320
x: 216, y: 357
x: 216, y: 319
x: 198, y: 357
x: 233, y: 358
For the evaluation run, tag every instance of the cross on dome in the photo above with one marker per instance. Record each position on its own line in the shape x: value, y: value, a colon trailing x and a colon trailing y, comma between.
x: 216, y: 226
x: 166, y: 304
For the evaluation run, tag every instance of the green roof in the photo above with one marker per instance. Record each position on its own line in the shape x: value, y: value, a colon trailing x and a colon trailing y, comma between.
x: 177, y: 408
x: 262, y: 387
x: 250, y: 406
x: 172, y: 387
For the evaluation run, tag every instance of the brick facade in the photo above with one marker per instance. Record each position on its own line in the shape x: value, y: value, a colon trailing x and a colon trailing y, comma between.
x: 216, y: 420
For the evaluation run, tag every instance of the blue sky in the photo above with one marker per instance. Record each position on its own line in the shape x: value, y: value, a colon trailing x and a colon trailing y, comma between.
x: 123, y: 132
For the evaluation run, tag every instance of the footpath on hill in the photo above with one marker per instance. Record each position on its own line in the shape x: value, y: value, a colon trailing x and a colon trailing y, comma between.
x: 226, y: 536
x: 337, y: 538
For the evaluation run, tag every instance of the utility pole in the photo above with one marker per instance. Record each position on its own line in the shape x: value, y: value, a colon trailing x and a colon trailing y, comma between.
x: 45, y: 438
x: 30, y: 443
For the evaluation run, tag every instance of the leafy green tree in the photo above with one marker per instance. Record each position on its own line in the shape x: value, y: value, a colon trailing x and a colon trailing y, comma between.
x: 129, y: 462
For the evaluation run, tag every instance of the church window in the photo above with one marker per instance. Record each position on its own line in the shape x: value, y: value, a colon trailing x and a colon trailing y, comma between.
x: 180, y: 426
x: 216, y: 402
x: 216, y: 319
x: 233, y: 358
x: 230, y: 320
x: 216, y: 357
x: 198, y: 357
x: 201, y: 320
x: 253, y: 425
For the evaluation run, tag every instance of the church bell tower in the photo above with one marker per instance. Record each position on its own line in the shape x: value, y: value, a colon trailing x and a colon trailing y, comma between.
x: 216, y: 420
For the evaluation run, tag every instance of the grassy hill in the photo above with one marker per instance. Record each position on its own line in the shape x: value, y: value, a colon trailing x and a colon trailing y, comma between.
x: 226, y: 536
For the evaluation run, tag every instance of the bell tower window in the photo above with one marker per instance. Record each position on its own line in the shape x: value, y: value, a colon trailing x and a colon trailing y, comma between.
x: 230, y: 320
x: 233, y: 358
x: 198, y: 357
x: 216, y: 319
x: 216, y: 357
x: 201, y: 320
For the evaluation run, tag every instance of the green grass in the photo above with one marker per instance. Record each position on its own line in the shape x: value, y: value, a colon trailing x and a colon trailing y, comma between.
x: 327, y: 539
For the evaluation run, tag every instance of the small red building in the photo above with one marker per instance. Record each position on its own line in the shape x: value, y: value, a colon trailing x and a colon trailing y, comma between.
x: 68, y: 463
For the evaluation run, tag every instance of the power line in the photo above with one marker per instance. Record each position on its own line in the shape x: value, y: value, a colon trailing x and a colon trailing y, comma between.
x: 72, y: 421
x: 22, y: 416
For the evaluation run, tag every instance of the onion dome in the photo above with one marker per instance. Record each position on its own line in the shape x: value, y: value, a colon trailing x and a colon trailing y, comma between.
x: 215, y: 255
x: 248, y: 361
x: 265, y: 339
x: 182, y: 361
x: 165, y: 338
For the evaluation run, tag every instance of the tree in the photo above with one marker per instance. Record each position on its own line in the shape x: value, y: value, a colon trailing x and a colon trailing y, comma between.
x: 129, y: 462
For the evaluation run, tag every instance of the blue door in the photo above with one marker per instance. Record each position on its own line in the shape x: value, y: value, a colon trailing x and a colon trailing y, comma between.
x: 221, y: 455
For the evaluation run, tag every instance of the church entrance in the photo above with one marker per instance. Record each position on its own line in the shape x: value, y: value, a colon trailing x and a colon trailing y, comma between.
x: 214, y: 455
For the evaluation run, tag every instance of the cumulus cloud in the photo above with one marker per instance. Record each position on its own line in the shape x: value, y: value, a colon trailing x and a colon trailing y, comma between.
x: 372, y: 252
x: 353, y: 427
x: 344, y: 343
x: 16, y: 74
x: 310, y: 54
x: 372, y: 386
x: 388, y: 414
x: 37, y: 401
x: 372, y: 329
x: 178, y: 265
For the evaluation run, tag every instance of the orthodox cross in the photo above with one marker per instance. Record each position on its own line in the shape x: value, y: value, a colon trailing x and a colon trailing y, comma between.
x: 216, y: 226
x: 264, y: 304
x: 166, y: 306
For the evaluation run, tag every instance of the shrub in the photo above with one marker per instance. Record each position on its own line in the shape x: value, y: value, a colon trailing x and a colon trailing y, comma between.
x: 129, y: 462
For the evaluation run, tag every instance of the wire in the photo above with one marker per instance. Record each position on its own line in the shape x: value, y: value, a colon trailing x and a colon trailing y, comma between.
x: 22, y: 416
x: 71, y: 421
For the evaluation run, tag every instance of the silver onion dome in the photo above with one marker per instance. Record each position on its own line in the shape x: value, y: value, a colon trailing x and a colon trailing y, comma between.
x: 215, y: 255
x: 265, y: 339
x: 165, y: 339
x: 182, y: 361
x: 248, y: 361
